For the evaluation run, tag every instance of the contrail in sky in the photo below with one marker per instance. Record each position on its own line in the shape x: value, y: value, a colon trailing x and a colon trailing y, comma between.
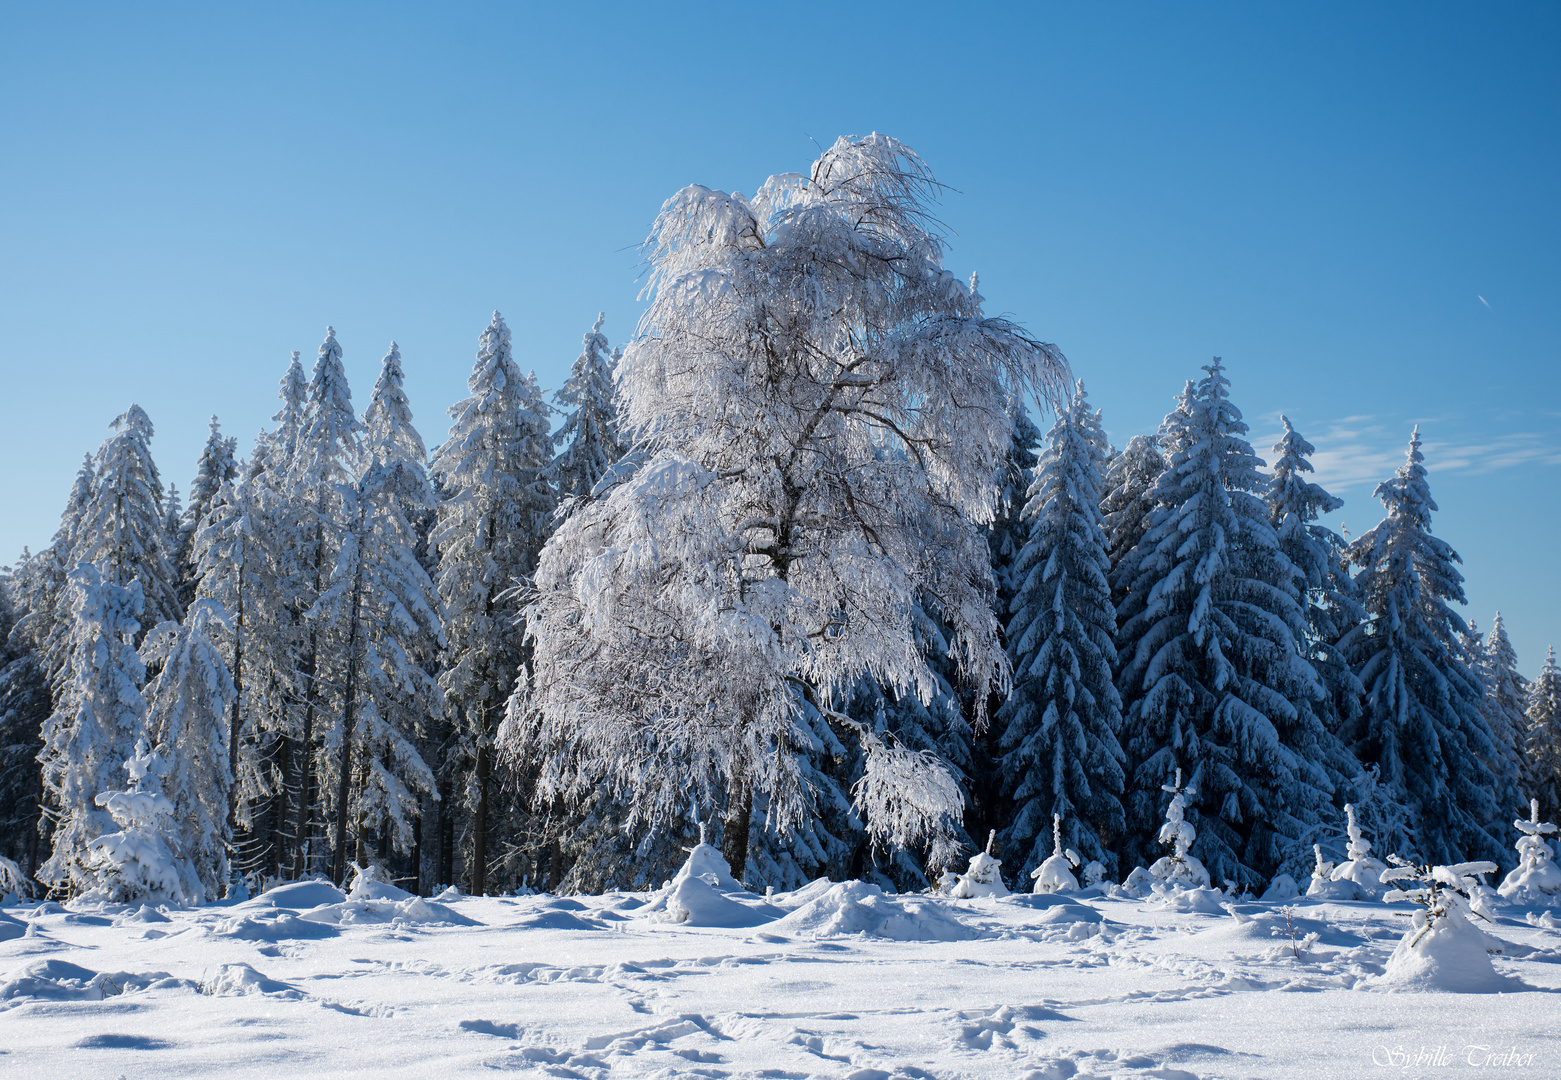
x: 1487, y: 303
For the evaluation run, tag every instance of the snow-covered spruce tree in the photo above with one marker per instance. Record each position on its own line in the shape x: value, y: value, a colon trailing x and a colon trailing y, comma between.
x: 1294, y: 506
x: 1421, y: 722
x: 1060, y: 721
x: 24, y: 705
x: 497, y: 505
x: 40, y: 586
x: 188, y: 705
x: 122, y: 528
x: 256, y: 554
x: 217, y: 466
x: 1127, y: 497
x: 1211, y: 673
x: 1009, y: 529
x: 95, y: 723
x: 822, y: 412
x: 381, y: 612
x: 1543, y: 746
x: 322, y: 478
x: 139, y: 863
x: 589, y: 434
x: 173, y: 510
x: 1506, y: 695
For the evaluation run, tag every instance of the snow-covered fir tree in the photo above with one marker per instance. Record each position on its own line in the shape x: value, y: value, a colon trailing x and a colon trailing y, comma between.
x: 1127, y: 497
x: 1060, y: 722
x: 321, y: 480
x: 139, y: 863
x: 122, y: 529
x: 217, y: 465
x: 1421, y: 722
x: 382, y: 611
x: 188, y: 706
x: 823, y: 422
x: 1294, y: 506
x: 1211, y: 673
x: 1543, y: 746
x: 589, y: 434
x: 492, y: 470
x: 96, y: 721
x: 1506, y: 697
x: 24, y: 705
x: 1009, y: 529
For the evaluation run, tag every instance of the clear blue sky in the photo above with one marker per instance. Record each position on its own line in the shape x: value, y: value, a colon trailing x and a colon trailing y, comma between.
x: 1319, y: 193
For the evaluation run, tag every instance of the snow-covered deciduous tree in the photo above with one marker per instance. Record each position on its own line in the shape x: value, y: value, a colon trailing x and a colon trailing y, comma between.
x: 139, y: 863
x: 122, y: 529
x: 589, y: 434
x: 1506, y: 696
x: 1212, y: 677
x: 1543, y: 746
x: 1060, y: 754
x: 187, y: 718
x: 1294, y: 506
x: 1421, y: 721
x: 96, y: 721
x: 822, y: 412
x: 493, y: 472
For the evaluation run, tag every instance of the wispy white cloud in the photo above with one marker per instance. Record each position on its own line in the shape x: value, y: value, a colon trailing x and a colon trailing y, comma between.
x: 1362, y: 450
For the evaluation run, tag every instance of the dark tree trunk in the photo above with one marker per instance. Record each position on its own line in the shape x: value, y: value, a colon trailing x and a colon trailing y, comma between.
x: 479, y: 867
x: 234, y: 721
x: 348, y: 721
x: 739, y: 818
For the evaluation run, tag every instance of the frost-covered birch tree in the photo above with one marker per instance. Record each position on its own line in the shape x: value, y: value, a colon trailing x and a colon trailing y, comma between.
x: 1211, y: 673
x: 823, y: 412
x: 1421, y: 722
x: 95, y: 724
x: 493, y: 471
x: 1060, y: 722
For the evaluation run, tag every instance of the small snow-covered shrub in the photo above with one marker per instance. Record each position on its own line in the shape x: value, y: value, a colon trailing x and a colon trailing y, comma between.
x: 1361, y: 868
x: 138, y: 864
x: 14, y: 885
x: 1179, y: 869
x: 984, y: 877
x: 1055, y: 874
x: 1443, y: 950
x: 1536, y: 879
x: 1323, y: 885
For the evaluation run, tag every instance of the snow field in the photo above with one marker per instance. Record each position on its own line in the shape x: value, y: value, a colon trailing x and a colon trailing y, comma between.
x: 303, y: 981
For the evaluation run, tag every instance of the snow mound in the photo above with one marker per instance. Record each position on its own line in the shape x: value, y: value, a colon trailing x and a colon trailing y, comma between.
x: 1450, y: 956
x: 60, y: 980
x: 698, y: 895
x: 1054, y: 908
x: 236, y: 979
x: 271, y: 926
x: 413, y: 911
x: 11, y: 928
x: 1199, y: 901
x: 1282, y: 888
x: 855, y: 907
x: 298, y: 896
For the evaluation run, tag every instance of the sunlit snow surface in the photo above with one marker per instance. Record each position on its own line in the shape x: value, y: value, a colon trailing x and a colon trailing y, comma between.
x: 303, y: 982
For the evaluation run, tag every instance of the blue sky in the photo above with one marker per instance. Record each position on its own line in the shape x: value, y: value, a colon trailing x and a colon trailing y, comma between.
x: 1321, y: 194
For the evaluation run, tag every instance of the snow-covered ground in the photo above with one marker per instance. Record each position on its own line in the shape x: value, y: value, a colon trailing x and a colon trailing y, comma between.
x: 831, y: 981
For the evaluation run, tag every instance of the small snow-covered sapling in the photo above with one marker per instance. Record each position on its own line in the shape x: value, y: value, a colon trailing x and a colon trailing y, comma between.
x: 1055, y: 874
x: 1444, y: 892
x: 1536, y: 879
x: 1179, y: 868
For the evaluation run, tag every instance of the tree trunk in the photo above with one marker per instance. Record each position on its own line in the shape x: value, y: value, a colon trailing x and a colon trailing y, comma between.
x: 479, y: 868
x: 234, y: 722
x: 348, y: 720
x: 739, y: 818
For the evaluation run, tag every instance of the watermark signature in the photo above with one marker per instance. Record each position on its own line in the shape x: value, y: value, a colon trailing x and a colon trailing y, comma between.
x: 1446, y: 1056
